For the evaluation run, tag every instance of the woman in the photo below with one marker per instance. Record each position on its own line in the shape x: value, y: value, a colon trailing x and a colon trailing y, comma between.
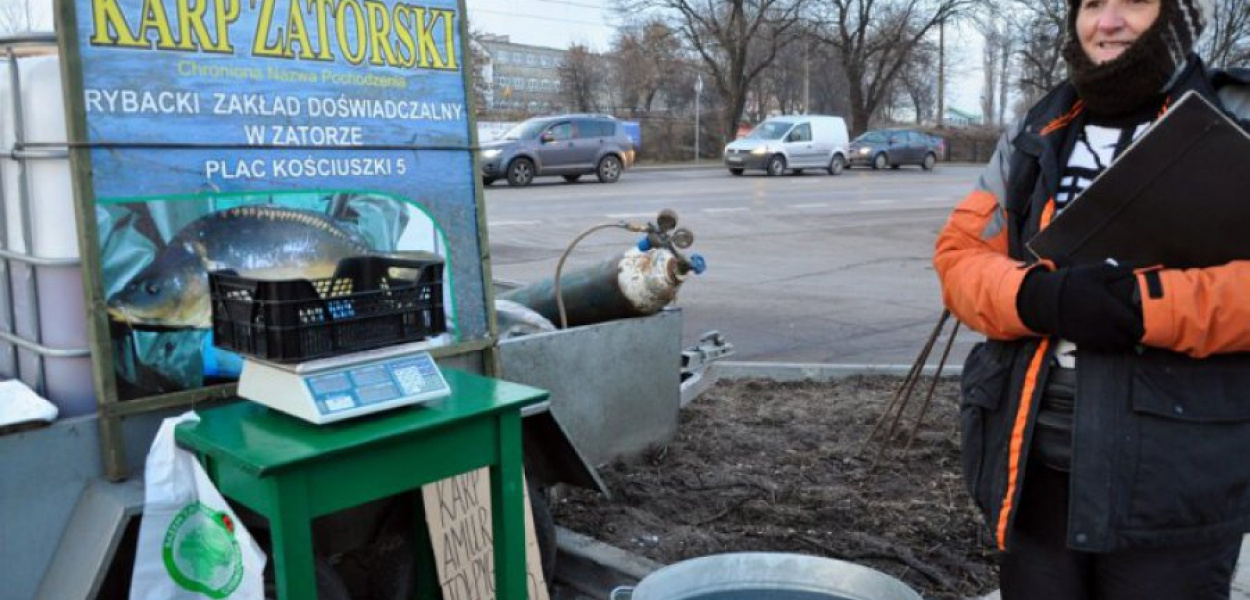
x: 1106, y: 419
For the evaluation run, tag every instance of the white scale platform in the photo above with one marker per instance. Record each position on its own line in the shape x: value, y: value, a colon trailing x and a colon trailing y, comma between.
x: 344, y: 387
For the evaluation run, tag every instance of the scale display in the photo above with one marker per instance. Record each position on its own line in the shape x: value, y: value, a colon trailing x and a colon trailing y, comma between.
x: 375, y: 384
x: 344, y: 387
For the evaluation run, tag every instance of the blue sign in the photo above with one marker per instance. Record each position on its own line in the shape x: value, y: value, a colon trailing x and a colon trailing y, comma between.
x: 347, y: 118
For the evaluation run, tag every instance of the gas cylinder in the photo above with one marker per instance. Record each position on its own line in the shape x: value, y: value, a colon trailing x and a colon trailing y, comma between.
x: 635, y: 283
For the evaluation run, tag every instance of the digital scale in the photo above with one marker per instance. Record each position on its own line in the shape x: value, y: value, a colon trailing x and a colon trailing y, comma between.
x: 347, y: 386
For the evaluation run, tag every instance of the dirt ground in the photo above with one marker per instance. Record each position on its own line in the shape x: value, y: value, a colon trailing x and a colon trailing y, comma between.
x: 766, y: 466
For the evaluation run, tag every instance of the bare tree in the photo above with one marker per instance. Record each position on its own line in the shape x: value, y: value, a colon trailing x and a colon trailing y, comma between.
x: 917, y: 82
x: 649, y: 63
x: 1006, y: 68
x: 1041, y: 27
x: 828, y: 82
x: 989, y: 70
x: 781, y: 87
x: 875, y: 39
x: 736, y: 40
x: 581, y: 77
x: 1000, y: 34
x: 1226, y: 41
x: 482, y: 72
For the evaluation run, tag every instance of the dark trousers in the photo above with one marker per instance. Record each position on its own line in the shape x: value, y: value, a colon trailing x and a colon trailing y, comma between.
x: 1041, y: 567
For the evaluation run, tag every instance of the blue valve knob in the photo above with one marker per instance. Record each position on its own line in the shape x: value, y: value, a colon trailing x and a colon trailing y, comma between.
x: 698, y: 263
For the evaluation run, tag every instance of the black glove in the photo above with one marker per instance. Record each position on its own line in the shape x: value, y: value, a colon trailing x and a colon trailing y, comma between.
x: 1091, y: 305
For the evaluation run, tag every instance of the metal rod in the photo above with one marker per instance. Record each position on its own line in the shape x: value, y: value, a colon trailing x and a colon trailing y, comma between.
x: 27, y: 222
x: 22, y: 257
x: 29, y: 38
x: 43, y: 350
x: 937, y: 375
x: 889, y: 407
x: 906, y: 389
x: 916, y: 367
x: 8, y: 313
x: 910, y: 387
x: 38, y: 153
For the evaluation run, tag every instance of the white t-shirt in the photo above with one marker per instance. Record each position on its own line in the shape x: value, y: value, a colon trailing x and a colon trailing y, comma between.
x: 1097, y: 145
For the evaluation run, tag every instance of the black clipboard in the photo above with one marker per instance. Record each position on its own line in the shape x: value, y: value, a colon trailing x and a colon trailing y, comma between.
x: 1178, y: 197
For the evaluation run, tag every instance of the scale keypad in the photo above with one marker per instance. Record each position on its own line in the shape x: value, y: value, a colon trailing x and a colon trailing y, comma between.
x: 377, y: 383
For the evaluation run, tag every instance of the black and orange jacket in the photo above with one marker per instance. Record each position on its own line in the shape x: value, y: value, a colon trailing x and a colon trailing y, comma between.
x: 1161, y: 435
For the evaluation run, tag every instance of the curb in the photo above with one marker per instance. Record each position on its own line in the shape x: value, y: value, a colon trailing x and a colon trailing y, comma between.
x: 594, y: 568
x: 816, y: 371
x: 709, y: 164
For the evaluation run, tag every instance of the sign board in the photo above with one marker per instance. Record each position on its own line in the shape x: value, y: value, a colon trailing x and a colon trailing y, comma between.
x: 344, y: 120
x: 458, y: 513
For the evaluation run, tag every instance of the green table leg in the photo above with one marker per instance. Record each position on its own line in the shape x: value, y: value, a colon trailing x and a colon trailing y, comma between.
x: 507, y: 501
x: 428, y: 587
x: 294, y: 570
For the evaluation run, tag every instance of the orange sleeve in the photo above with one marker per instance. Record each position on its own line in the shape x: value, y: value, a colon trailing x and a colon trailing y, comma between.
x: 1199, y: 312
x: 979, y: 280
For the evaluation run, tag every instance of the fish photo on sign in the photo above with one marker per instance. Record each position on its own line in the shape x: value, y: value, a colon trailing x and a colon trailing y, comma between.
x: 156, y: 256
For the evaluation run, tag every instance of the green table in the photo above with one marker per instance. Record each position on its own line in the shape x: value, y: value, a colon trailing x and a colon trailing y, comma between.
x: 291, y: 471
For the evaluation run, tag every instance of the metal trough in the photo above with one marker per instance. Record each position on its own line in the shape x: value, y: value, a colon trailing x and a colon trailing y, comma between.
x: 615, y: 386
x: 766, y: 576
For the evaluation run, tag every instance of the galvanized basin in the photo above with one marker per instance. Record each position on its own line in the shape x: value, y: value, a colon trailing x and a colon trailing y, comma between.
x: 767, y: 576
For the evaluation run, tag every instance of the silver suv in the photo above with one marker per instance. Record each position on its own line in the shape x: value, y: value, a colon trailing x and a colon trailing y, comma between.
x: 567, y: 145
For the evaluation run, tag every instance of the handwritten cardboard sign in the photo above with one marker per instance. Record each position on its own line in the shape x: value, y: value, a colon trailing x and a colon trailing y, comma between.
x: 458, y: 513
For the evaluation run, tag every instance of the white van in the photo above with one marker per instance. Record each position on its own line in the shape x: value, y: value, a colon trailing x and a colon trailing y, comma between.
x: 791, y: 143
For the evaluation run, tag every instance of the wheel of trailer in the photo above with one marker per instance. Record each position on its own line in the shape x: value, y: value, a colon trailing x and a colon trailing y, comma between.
x: 544, y: 530
x: 572, y: 178
x: 735, y: 171
x: 776, y: 165
x: 929, y: 161
x: 609, y: 169
x: 837, y: 164
x: 880, y: 162
x: 520, y: 172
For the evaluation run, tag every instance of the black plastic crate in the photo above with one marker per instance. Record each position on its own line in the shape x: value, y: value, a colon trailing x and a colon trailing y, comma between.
x: 371, y: 301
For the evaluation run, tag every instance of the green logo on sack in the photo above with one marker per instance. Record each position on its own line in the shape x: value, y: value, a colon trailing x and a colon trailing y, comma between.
x: 201, y: 552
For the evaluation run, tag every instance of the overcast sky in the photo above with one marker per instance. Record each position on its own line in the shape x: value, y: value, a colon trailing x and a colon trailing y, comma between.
x: 561, y: 23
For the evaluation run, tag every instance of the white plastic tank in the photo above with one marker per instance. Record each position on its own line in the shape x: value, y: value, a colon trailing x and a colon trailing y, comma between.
x: 38, y: 198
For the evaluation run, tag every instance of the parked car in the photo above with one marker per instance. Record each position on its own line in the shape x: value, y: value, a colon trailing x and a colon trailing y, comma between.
x: 565, y: 145
x: 791, y: 143
x: 893, y: 148
x: 938, y: 145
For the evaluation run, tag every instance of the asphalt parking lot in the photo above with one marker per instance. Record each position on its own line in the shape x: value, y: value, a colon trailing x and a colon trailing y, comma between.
x: 809, y: 268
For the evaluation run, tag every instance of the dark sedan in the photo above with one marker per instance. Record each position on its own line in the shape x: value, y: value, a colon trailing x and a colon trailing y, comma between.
x: 893, y: 148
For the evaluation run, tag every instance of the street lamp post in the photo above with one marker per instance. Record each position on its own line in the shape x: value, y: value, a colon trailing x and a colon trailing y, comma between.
x: 698, y: 94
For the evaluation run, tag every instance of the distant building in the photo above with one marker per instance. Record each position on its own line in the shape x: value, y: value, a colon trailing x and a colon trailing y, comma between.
x: 522, y: 78
x: 958, y: 118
